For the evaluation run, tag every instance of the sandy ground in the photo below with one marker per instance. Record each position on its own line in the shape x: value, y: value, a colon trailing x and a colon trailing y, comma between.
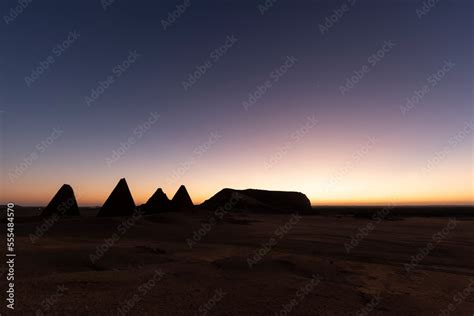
x: 303, y: 268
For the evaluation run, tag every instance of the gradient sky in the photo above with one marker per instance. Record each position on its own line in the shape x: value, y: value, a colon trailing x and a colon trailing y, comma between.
x: 302, y: 134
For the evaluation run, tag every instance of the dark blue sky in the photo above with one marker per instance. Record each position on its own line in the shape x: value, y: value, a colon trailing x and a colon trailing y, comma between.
x: 312, y: 86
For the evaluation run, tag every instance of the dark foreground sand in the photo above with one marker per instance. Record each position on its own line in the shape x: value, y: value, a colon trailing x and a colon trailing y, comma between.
x: 151, y: 269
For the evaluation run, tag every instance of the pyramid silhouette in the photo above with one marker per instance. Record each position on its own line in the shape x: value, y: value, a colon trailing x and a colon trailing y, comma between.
x: 181, y: 200
x: 120, y: 201
x: 63, y: 203
x: 158, y: 203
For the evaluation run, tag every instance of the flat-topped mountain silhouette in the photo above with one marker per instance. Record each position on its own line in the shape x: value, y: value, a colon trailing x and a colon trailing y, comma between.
x: 63, y: 203
x: 157, y: 203
x: 120, y: 202
x: 181, y: 200
x: 259, y: 201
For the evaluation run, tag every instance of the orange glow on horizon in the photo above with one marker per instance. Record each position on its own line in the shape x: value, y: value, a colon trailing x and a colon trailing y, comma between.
x: 343, y: 196
x: 326, y: 169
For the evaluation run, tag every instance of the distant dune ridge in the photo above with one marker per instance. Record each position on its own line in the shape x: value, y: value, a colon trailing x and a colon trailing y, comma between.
x: 157, y: 203
x: 259, y: 201
x: 63, y: 203
x: 120, y: 202
x: 181, y: 200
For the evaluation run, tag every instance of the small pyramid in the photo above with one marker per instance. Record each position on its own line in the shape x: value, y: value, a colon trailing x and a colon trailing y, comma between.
x: 158, y: 203
x: 181, y: 200
x: 120, y: 201
x: 63, y: 203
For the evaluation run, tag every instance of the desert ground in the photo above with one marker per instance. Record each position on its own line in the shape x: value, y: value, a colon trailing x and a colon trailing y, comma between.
x: 244, y: 264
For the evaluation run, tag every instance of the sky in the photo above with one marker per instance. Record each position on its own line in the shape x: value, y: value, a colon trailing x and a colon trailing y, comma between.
x: 350, y: 102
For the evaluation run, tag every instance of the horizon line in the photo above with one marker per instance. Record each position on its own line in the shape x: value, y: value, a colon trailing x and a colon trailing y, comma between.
x: 312, y: 205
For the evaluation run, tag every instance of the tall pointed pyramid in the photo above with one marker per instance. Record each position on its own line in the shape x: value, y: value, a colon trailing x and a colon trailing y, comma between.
x: 63, y: 203
x: 120, y: 201
x: 181, y: 200
x: 158, y: 203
